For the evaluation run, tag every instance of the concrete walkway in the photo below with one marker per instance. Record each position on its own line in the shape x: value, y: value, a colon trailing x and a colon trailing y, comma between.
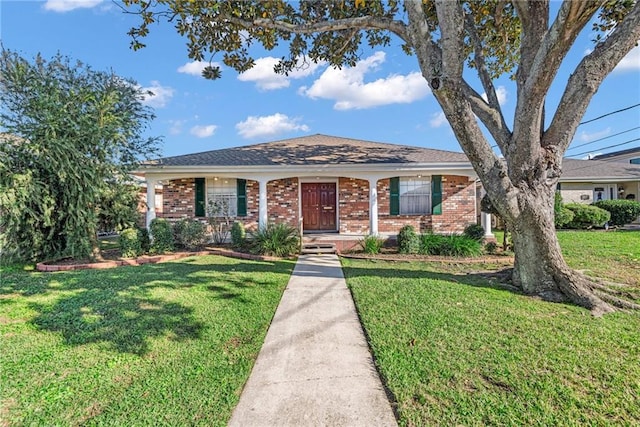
x: 314, y: 368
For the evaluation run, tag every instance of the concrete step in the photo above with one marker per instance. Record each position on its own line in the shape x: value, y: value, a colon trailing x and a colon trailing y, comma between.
x: 319, y: 248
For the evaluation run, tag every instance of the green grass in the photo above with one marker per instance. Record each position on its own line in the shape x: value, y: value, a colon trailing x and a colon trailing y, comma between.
x: 612, y: 255
x: 456, y: 349
x: 162, y: 344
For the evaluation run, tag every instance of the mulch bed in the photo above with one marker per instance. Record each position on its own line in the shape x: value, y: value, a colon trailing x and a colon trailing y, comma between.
x: 389, y: 256
x: 112, y: 260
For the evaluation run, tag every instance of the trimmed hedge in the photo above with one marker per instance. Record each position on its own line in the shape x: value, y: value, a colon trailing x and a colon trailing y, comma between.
x: 238, y: 235
x: 130, y: 244
x: 190, y: 234
x: 587, y: 216
x: 408, y: 240
x: 622, y: 211
x: 162, y: 235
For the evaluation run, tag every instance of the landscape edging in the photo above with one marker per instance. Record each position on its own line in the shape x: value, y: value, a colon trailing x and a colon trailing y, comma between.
x: 148, y: 259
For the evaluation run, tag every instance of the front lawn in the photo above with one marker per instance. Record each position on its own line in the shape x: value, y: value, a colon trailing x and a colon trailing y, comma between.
x: 457, y: 349
x: 162, y: 344
x: 612, y: 255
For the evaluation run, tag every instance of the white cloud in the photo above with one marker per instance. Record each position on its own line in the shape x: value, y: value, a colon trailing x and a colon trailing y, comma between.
x: 266, y: 79
x: 176, y: 126
x: 195, y: 67
x: 269, y: 125
x: 631, y: 62
x: 437, y: 120
x: 68, y: 5
x: 501, y: 93
x: 587, y: 137
x: 203, y: 131
x: 348, y: 89
x: 160, y: 95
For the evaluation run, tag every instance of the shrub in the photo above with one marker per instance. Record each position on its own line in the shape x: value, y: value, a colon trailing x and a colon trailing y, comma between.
x: 562, y: 215
x: 130, y: 243
x: 622, y: 211
x: 475, y: 232
x: 587, y: 216
x: 430, y: 244
x: 460, y: 246
x: 162, y: 236
x: 408, y: 240
x: 238, y: 235
x: 190, y: 234
x: 491, y: 248
x: 371, y: 244
x: 276, y: 239
x: 145, y: 242
x: 454, y: 245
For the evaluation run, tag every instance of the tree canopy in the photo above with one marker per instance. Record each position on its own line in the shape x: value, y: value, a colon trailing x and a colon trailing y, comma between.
x: 493, y: 37
x: 70, y: 136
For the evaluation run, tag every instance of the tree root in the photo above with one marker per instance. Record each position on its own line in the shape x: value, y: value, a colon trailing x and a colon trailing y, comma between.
x: 616, y: 301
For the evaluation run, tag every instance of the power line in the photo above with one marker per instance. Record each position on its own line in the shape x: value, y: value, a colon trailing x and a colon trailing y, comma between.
x: 604, y: 148
x: 603, y: 138
x: 609, y: 114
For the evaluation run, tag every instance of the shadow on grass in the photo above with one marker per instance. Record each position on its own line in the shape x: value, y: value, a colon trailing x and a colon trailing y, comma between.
x: 500, y: 279
x: 117, y: 307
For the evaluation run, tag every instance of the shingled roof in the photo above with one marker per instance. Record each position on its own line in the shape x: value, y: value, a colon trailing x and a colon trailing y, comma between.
x: 586, y: 169
x: 314, y: 150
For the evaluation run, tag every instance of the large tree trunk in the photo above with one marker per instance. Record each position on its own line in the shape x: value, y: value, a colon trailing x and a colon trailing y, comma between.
x: 539, y: 266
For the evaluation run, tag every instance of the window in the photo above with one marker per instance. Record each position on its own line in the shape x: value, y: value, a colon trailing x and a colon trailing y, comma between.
x: 635, y: 161
x: 222, y: 197
x: 415, y: 196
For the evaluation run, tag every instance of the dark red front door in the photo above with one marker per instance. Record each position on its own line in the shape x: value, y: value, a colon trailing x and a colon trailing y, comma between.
x: 319, y: 206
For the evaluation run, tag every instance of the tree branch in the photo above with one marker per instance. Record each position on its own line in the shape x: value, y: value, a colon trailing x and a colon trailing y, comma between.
x: 586, y: 79
x: 451, y: 21
x: 555, y: 45
x: 361, y: 22
x: 492, y: 116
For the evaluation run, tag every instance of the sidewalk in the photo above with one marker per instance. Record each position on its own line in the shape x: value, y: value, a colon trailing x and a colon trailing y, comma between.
x: 314, y: 368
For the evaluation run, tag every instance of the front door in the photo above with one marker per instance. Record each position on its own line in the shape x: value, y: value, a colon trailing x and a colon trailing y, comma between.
x: 319, y: 206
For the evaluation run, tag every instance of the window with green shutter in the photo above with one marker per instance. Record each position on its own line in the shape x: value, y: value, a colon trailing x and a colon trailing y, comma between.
x: 242, y: 196
x: 394, y: 196
x: 200, y: 192
x: 436, y: 191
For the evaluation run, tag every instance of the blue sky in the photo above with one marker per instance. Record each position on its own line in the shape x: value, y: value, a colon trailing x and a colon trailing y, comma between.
x: 383, y: 98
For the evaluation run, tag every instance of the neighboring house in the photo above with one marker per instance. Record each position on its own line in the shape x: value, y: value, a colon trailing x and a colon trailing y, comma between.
x: 326, y: 184
x: 588, y: 181
x: 631, y: 155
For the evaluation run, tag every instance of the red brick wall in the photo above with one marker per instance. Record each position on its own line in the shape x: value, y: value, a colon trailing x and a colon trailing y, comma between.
x: 458, y: 209
x: 282, y: 201
x: 458, y: 205
x: 178, y: 199
x: 353, y: 205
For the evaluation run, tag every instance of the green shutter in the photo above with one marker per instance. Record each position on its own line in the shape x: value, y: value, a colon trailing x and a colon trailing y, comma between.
x: 394, y: 196
x: 242, y: 196
x: 436, y: 194
x: 200, y: 191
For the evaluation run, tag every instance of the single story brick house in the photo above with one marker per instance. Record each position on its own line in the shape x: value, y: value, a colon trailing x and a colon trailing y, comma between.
x: 328, y: 184
x: 321, y: 184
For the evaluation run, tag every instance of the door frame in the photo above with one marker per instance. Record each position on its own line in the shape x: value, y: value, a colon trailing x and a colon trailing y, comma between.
x: 320, y: 180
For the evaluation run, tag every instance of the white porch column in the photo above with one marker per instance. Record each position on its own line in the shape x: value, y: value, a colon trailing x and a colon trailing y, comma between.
x: 373, y: 206
x: 485, y: 218
x: 151, y: 201
x: 262, y: 204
